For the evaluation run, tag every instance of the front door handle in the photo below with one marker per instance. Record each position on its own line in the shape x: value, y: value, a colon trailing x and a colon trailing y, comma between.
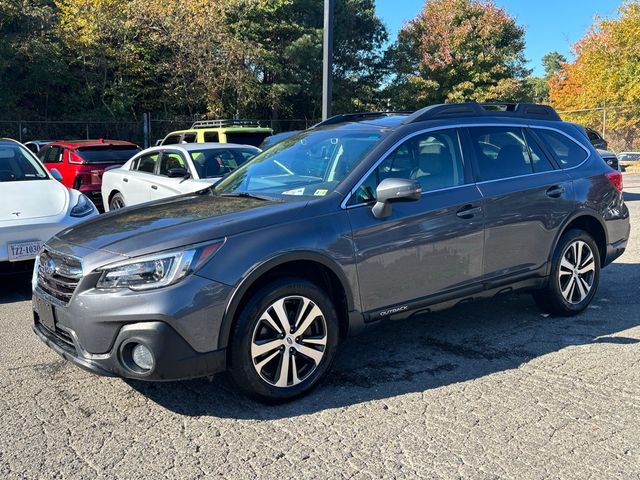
x: 468, y: 211
x: 125, y: 180
x: 155, y: 187
x: 555, y: 192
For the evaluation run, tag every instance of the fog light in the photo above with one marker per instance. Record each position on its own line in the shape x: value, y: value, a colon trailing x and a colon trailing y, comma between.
x: 142, y: 357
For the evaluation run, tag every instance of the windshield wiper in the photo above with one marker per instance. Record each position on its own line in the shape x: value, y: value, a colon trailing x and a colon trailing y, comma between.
x: 247, y: 195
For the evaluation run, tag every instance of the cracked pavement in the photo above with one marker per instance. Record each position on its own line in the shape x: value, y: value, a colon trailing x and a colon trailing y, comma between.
x: 488, y: 390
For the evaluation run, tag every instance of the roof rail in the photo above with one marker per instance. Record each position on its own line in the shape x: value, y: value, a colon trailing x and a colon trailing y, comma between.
x: 225, y: 123
x: 355, y: 117
x: 474, y: 109
x: 526, y: 110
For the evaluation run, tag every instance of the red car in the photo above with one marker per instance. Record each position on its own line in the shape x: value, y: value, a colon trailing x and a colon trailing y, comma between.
x: 82, y: 162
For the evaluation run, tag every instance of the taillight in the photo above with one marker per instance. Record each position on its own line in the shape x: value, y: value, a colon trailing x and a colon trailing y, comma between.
x: 615, y: 178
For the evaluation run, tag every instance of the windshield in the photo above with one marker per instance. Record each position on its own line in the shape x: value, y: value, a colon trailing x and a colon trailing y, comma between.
x: 17, y: 165
x: 312, y: 163
x: 217, y: 162
x: 107, y: 154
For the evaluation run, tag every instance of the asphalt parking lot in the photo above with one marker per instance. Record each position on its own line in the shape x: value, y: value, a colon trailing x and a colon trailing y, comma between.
x: 490, y: 390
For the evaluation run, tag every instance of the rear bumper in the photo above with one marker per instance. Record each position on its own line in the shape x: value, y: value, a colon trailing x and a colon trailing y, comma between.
x: 95, y: 195
x: 174, y: 359
x: 614, y: 250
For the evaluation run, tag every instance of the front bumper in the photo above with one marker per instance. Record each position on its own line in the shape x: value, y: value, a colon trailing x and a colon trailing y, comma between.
x: 174, y: 359
x: 180, y: 325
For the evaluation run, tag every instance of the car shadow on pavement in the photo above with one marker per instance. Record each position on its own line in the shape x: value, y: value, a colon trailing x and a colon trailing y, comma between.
x: 631, y: 197
x: 430, y: 351
x: 15, y: 288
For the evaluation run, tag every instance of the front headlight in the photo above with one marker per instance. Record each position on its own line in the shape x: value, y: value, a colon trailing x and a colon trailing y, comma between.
x: 155, y: 271
x: 83, y: 208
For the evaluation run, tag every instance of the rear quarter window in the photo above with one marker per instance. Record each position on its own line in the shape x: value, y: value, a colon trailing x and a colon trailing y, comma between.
x: 567, y: 151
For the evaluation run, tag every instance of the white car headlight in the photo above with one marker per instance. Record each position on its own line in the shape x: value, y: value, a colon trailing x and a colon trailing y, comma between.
x: 83, y: 208
x: 158, y: 270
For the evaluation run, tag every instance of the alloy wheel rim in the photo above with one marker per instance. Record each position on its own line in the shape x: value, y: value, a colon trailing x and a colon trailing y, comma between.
x: 116, y: 203
x: 289, y: 341
x: 577, y: 272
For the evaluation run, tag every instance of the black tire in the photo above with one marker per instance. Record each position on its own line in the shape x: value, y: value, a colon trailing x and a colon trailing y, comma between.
x: 551, y: 299
x: 250, y: 325
x: 116, y: 201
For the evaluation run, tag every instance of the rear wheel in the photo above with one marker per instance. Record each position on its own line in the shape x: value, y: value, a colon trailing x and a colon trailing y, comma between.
x: 116, y: 202
x: 575, y: 275
x: 284, y: 340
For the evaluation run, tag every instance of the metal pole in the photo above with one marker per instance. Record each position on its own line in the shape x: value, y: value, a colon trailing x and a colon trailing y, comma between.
x: 20, y: 132
x: 327, y: 60
x: 145, y: 129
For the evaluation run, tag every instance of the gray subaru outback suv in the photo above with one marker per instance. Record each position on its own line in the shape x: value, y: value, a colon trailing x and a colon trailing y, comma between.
x: 361, y: 218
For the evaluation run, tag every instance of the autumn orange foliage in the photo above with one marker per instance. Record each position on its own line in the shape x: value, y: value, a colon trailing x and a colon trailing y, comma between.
x: 605, y: 74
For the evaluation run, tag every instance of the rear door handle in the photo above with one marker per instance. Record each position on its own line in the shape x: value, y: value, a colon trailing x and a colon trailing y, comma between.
x: 468, y: 211
x: 155, y: 187
x: 555, y: 191
x: 125, y: 180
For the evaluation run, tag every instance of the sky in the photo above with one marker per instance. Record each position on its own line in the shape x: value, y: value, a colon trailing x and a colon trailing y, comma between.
x: 550, y: 24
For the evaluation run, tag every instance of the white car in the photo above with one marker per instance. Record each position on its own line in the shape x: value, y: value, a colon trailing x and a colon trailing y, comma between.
x: 165, y: 171
x: 34, y: 206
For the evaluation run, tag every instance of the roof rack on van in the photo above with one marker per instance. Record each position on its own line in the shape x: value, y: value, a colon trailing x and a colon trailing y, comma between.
x: 474, y: 109
x: 356, y: 117
x: 225, y: 123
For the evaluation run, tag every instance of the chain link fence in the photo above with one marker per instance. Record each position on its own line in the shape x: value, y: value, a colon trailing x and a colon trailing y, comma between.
x: 131, y: 130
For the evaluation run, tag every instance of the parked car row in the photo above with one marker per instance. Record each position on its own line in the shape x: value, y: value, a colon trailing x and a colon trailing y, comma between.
x: 48, y: 185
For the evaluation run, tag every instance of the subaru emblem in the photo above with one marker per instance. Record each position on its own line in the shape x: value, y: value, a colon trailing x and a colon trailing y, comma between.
x: 50, y: 267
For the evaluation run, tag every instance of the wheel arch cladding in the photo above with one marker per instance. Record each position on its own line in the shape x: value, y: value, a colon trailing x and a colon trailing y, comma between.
x: 311, y: 267
x: 593, y: 226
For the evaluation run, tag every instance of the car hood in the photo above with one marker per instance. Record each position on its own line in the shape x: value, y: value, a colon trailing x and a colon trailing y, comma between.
x: 30, y: 199
x: 167, y: 224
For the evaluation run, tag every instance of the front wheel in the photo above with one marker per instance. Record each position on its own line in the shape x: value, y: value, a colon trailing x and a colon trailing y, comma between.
x: 575, y: 275
x: 284, y: 340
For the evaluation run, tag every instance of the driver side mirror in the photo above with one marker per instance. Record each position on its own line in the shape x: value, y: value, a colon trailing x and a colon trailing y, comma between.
x: 178, y: 172
x: 56, y: 174
x: 394, y: 189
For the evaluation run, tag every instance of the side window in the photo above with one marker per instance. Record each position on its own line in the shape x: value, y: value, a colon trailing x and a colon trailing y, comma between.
x: 567, y: 151
x: 189, y: 137
x: 171, y: 140
x: 433, y: 159
x: 539, y: 160
x: 147, y: 163
x: 171, y: 160
x: 43, y: 153
x: 53, y: 155
x: 211, y: 137
x: 501, y: 152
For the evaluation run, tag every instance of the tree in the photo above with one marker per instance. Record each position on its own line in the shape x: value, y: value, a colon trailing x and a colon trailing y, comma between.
x: 457, y: 50
x: 288, y: 37
x: 606, y: 72
x: 552, y: 63
x: 32, y: 70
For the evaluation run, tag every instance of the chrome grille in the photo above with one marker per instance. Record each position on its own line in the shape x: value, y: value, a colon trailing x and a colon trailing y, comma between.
x: 58, y: 275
